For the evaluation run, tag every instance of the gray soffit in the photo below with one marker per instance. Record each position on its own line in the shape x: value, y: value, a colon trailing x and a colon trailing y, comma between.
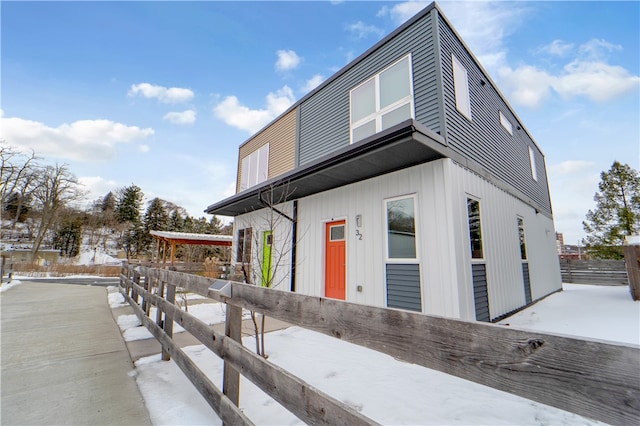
x: 404, y: 145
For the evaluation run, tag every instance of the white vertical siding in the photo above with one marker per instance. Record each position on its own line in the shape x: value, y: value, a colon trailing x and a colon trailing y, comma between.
x: 366, y: 257
x: 498, y: 212
x: 441, y: 188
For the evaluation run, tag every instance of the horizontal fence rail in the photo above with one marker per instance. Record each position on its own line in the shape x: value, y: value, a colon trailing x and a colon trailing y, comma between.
x: 595, y: 379
x: 610, y: 272
x: 307, y: 403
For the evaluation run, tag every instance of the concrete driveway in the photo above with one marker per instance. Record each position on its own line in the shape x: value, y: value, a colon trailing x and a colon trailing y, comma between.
x: 63, y: 359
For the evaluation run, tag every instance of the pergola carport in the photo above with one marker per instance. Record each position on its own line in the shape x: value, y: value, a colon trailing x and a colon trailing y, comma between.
x: 172, y: 239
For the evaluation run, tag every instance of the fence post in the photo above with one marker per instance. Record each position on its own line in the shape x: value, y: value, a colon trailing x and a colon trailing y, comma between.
x: 632, y: 263
x: 231, y: 377
x: 168, y: 318
x: 160, y: 294
x: 136, y: 279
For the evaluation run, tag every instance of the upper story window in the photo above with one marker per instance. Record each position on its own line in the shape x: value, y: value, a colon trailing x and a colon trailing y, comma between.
x: 255, y: 168
x: 382, y: 101
x: 534, y: 168
x: 461, y: 88
x: 506, y: 123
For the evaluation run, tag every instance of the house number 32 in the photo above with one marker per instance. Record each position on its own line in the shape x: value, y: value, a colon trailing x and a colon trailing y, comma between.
x: 358, y: 234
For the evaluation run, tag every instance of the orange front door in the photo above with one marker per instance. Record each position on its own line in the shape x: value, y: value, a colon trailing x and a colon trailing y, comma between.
x: 335, y: 260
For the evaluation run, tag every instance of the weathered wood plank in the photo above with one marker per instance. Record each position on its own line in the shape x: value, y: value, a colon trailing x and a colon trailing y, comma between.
x: 594, y: 379
x: 632, y: 261
x: 231, y: 376
x: 167, y: 325
x: 223, y: 406
x: 307, y: 403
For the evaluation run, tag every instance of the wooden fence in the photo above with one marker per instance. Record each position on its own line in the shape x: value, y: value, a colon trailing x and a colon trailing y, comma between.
x: 607, y: 272
x: 590, y: 378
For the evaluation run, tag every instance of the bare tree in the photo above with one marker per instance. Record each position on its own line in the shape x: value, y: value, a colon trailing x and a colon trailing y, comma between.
x: 18, y: 174
x: 56, y: 188
x: 261, y: 267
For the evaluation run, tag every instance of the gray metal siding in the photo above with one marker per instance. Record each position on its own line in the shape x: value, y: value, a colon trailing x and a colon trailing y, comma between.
x: 324, y: 117
x: 483, y: 139
x: 527, y: 282
x: 480, y: 293
x: 403, y: 286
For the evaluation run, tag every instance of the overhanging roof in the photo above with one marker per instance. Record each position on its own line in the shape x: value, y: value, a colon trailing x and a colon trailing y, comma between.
x: 404, y: 145
x: 193, y: 239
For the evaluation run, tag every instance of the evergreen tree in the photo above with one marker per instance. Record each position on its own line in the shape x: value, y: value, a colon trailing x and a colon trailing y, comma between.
x: 176, y: 223
x: 127, y: 213
x: 156, y: 217
x: 128, y: 204
x: 617, y: 212
x: 68, y: 238
x: 18, y: 206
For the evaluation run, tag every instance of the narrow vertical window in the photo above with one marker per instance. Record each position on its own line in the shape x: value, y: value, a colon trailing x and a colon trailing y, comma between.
x: 534, y: 168
x: 243, y: 252
x: 461, y: 88
x: 244, y: 173
x: 523, y: 246
x: 475, y: 231
x: 506, y: 123
x: 401, y: 228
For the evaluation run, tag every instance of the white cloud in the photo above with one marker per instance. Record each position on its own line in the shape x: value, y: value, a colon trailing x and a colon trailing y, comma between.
x: 312, y: 83
x: 598, y: 81
x: 598, y: 48
x: 362, y: 30
x: 143, y: 148
x: 170, y: 95
x: 232, y: 112
x: 287, y: 60
x: 557, y: 48
x: 570, y: 167
x: 184, y: 117
x: 97, y: 186
x: 528, y: 86
x: 83, y: 140
x: 400, y: 12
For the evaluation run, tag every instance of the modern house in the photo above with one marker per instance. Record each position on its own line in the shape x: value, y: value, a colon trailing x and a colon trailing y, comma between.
x: 406, y: 181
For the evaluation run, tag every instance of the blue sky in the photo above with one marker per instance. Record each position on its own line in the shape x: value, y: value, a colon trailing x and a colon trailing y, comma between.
x: 161, y: 94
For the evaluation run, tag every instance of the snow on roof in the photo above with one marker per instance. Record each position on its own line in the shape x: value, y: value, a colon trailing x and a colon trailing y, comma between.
x: 191, y: 238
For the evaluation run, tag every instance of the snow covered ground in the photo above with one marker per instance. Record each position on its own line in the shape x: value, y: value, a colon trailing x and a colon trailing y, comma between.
x: 382, y: 388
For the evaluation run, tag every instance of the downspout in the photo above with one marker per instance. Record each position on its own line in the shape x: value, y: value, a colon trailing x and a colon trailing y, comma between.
x: 294, y: 245
x: 294, y: 232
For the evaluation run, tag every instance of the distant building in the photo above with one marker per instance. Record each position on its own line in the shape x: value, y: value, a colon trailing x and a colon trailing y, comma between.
x: 560, y: 242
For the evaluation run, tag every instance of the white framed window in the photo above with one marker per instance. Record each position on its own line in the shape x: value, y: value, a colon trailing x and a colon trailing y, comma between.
x: 506, y: 123
x: 534, y: 168
x: 255, y: 168
x: 461, y: 87
x: 400, y: 213
x: 382, y: 101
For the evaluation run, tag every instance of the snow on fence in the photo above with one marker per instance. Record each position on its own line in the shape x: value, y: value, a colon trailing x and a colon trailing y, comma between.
x: 607, y: 272
x: 590, y: 378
